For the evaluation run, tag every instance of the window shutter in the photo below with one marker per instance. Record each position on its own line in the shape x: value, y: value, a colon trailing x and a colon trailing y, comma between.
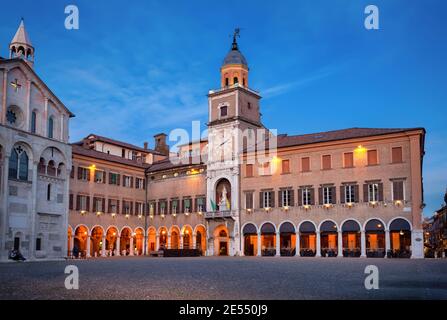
x: 380, y: 191
x: 109, y: 206
x: 349, y: 160
x: 326, y: 162
x: 396, y: 155
x: 131, y: 207
x: 70, y: 203
x: 95, y: 209
x: 104, y: 204
x: 104, y: 176
x: 159, y: 206
x: 365, y: 192
x: 273, y: 199
x: 118, y: 179
x: 305, y: 164
x: 342, y: 194
x: 195, y: 205
x: 118, y: 208
x: 398, y: 192
x: 88, y: 203
x: 372, y: 157
x: 78, y: 202
x: 356, y: 193
x: 131, y: 182
x: 280, y: 203
x: 144, y: 184
x: 312, y: 196
x: 88, y: 174
x: 261, y: 203
x: 334, y: 195
x: 79, y: 173
x: 292, y: 197
x: 72, y: 172
x: 320, y: 196
x: 300, y: 197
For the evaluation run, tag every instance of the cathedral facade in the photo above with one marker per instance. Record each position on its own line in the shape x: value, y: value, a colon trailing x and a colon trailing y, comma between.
x: 35, y: 159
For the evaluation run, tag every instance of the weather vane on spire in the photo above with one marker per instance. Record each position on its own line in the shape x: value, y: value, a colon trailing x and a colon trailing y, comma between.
x: 236, y: 34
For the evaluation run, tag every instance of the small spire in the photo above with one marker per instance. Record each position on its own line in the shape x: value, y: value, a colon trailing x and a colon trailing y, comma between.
x: 21, y: 36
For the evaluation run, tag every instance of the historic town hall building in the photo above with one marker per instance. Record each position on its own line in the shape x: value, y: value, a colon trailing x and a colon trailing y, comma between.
x: 242, y: 191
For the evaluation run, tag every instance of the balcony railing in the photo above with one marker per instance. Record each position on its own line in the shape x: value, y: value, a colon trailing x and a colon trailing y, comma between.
x: 220, y: 214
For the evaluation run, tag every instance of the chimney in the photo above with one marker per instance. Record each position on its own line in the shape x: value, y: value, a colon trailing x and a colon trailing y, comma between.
x: 160, y: 144
x: 146, y: 145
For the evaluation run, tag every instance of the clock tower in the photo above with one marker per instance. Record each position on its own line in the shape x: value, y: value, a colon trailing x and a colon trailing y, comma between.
x: 233, y: 120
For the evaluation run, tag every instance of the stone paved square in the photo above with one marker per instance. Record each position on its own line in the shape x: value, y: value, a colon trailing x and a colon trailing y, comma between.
x: 224, y: 278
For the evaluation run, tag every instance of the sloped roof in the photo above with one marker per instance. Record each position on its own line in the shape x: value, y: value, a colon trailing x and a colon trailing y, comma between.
x: 21, y: 36
x: 166, y: 164
x: 94, y: 137
x: 80, y: 150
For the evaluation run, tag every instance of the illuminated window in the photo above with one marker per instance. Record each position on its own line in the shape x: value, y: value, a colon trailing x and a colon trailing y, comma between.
x: 99, y: 176
x: 373, y: 192
x: 350, y: 193
x: 286, y: 197
x: 267, y: 199
x: 127, y: 181
x: 306, y: 196
x: 328, y: 195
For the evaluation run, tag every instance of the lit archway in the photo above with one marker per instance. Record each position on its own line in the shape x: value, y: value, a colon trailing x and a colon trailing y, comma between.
x: 163, y: 238
x: 329, y: 239
x: 80, y: 242
x: 268, y: 239
x: 375, y: 239
x: 187, y: 237
x: 351, y: 237
x: 308, y: 239
x: 96, y: 241
x: 112, y: 237
x: 221, y: 241
x: 175, y: 238
x: 125, y: 236
x: 69, y: 241
x: 151, y: 240
x: 138, y: 241
x: 400, y: 238
x: 287, y: 239
x: 201, y: 238
x: 250, y: 233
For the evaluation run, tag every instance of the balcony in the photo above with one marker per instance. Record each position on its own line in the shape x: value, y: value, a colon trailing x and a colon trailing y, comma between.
x: 220, y: 214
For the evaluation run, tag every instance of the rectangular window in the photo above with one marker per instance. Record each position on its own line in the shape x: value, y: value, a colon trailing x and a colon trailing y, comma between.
x: 305, y: 164
x: 127, y: 181
x: 98, y: 204
x: 373, y: 192
x: 249, y: 170
x: 348, y: 160
x: 100, y: 176
x: 113, y: 206
x: 398, y: 190
x: 83, y: 203
x: 306, y: 196
x: 286, y: 198
x: 139, y: 183
x: 139, y: 208
x: 163, y: 207
x: 267, y: 199
x: 396, y: 155
x: 187, y: 205
x: 286, y: 166
x: 174, y: 206
x: 327, y: 195
x: 249, y: 200
x: 38, y: 244
x: 83, y: 174
x: 266, y: 168
x: 114, y: 178
x: 223, y: 111
x: 372, y: 158
x: 350, y: 193
x: 200, y: 204
x: 326, y: 162
x: 126, y: 207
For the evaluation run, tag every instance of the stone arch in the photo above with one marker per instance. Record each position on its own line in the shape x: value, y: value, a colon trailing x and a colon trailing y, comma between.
x: 125, y: 243
x: 112, y: 241
x: 138, y: 241
x: 329, y: 238
x: 250, y: 238
x: 287, y: 238
x: 96, y: 241
x: 351, y: 237
x: 268, y: 238
x: 187, y: 234
x: 151, y: 239
x: 307, y: 231
x: 81, y: 234
x: 163, y: 237
x: 221, y: 236
x: 174, y: 233
x: 200, y: 234
x: 400, y: 230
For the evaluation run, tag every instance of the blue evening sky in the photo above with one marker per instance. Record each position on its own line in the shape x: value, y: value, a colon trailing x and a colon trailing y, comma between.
x: 137, y: 68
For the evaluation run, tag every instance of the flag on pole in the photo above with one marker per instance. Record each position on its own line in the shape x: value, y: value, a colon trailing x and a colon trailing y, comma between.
x: 213, y: 205
x: 228, y: 205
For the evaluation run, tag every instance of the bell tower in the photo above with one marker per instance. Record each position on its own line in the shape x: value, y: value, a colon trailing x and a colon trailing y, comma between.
x: 233, y: 115
x: 21, y: 47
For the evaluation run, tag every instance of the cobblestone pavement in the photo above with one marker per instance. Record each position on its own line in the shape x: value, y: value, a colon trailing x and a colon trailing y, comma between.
x: 225, y: 278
